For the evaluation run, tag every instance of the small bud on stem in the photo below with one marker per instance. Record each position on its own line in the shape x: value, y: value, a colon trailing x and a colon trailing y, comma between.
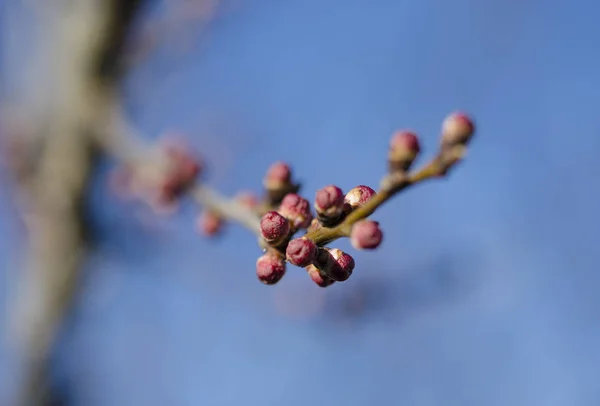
x: 274, y: 227
x: 278, y: 183
x: 457, y: 129
x: 404, y: 148
x: 358, y: 196
x: 301, y: 252
x: 270, y: 268
x: 247, y: 199
x: 318, y: 277
x: 329, y: 205
x: 297, y: 210
x: 335, y: 264
x: 209, y: 223
x: 366, y: 235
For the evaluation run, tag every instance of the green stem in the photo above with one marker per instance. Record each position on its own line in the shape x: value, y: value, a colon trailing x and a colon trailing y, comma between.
x: 436, y: 168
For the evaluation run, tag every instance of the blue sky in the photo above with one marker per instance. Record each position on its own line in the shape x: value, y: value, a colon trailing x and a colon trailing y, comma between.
x: 484, y: 291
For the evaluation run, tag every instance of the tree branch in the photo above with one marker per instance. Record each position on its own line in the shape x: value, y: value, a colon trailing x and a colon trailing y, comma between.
x: 85, y: 43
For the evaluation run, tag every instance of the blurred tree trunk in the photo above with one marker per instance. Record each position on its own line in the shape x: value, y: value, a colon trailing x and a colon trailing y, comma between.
x: 86, y: 39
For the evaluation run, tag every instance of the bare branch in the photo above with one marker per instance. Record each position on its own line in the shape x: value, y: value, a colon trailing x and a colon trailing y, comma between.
x: 226, y: 208
x: 85, y: 42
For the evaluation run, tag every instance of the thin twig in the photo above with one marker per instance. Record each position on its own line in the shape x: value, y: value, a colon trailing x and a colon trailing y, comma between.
x: 226, y: 207
x: 391, y: 185
x: 121, y: 140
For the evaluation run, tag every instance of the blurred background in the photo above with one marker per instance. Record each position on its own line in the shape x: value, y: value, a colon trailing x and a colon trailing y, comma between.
x: 485, y: 289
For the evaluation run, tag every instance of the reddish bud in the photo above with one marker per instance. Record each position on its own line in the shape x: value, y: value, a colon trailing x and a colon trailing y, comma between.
x: 209, y: 223
x: 247, y: 199
x: 297, y: 210
x: 317, y: 277
x: 358, y: 196
x: 404, y: 148
x: 278, y: 175
x: 183, y: 165
x: 457, y: 128
x: 366, y: 234
x: 181, y: 172
x: 274, y: 227
x: 270, y: 269
x: 301, y: 252
x: 329, y: 204
x: 334, y: 264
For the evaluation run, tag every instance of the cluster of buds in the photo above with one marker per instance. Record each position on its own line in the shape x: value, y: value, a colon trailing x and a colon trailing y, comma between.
x: 324, y: 265
x: 284, y: 212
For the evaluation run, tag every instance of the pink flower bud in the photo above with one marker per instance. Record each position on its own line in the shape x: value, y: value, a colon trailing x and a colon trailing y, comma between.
x: 274, y: 227
x: 247, y: 199
x: 457, y: 128
x: 301, y: 252
x: 297, y: 210
x: 270, y: 268
x: 329, y: 203
x: 183, y: 164
x: 182, y: 170
x: 209, y: 223
x: 404, y: 148
x: 358, y: 196
x: 366, y: 234
x: 278, y: 175
x: 339, y: 265
x: 318, y: 277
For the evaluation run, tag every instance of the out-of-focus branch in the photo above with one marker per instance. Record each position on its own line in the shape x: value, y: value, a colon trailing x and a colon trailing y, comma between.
x: 86, y: 37
x: 229, y: 209
x: 180, y: 14
x: 121, y: 140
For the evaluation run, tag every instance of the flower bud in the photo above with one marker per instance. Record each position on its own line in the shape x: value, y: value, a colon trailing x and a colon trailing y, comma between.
x: 247, y: 199
x: 339, y: 265
x: 457, y: 128
x: 209, y: 223
x: 274, y: 227
x: 301, y: 252
x: 366, y: 234
x: 297, y: 210
x: 317, y: 277
x: 279, y: 175
x: 181, y: 171
x: 183, y: 164
x: 329, y: 204
x: 358, y: 196
x: 404, y: 148
x: 270, y: 268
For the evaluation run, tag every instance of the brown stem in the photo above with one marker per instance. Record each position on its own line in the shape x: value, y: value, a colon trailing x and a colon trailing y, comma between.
x: 226, y: 207
x: 392, y: 184
x: 119, y: 139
